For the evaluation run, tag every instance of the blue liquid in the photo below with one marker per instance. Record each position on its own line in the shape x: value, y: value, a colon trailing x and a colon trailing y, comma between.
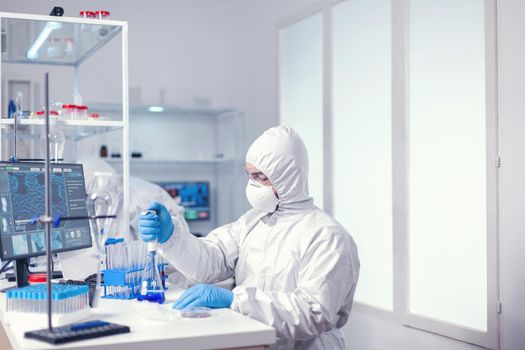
x: 153, y: 297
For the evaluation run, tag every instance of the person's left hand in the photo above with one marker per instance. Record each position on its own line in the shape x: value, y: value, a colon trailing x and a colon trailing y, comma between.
x: 204, y: 295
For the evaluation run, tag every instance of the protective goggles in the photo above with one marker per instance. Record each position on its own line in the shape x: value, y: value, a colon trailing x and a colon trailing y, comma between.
x: 258, y: 177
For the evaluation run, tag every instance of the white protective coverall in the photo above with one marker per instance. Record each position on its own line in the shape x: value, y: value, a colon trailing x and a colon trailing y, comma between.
x: 296, y: 269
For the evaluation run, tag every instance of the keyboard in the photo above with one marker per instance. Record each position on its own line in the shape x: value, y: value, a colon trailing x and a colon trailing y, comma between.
x: 77, y: 331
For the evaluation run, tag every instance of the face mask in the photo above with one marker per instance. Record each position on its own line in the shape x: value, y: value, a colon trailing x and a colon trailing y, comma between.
x: 261, y: 197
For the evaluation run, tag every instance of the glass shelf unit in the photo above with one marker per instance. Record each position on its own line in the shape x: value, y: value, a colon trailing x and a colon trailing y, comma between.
x: 53, y: 40
x: 33, y: 45
x: 72, y: 129
x: 168, y: 111
x: 175, y: 161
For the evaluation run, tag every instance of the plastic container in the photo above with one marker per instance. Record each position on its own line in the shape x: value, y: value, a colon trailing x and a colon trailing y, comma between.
x: 196, y: 312
x: 40, y: 115
x: 95, y: 117
x: 69, y: 112
x: 82, y: 113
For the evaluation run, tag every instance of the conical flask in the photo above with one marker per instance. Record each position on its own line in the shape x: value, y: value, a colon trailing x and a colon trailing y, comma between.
x: 151, y: 288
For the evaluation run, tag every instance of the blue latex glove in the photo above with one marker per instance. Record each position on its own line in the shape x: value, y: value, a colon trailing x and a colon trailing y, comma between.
x: 156, y: 226
x: 205, y: 295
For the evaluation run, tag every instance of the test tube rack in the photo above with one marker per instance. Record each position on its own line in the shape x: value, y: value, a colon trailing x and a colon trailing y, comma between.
x: 127, y: 262
x: 27, y: 306
x: 125, y: 284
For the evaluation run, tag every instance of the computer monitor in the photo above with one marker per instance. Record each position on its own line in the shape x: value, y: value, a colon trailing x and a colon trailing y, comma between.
x: 193, y: 196
x: 22, y: 199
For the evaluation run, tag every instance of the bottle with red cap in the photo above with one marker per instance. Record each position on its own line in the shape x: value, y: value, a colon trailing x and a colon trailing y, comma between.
x: 82, y: 112
x: 87, y: 14
x: 69, y: 112
x: 102, y: 14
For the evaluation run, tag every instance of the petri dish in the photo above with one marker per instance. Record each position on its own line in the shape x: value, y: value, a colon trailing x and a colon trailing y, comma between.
x: 196, y: 312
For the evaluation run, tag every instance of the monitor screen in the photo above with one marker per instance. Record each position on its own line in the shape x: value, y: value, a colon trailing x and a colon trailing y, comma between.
x: 22, y: 199
x: 193, y: 196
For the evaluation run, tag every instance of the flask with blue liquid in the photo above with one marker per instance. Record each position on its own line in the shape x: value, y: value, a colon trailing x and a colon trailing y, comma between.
x: 152, y: 289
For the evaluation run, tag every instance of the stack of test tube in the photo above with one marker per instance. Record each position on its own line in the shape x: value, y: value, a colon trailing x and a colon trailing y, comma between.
x: 66, y: 299
x: 125, y: 262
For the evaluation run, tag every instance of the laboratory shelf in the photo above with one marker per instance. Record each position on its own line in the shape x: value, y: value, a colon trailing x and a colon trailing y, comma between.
x: 72, y: 129
x: 168, y: 111
x: 50, y: 40
x: 174, y: 161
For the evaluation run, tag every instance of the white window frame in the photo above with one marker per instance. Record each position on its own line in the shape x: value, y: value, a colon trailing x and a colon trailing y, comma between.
x: 401, y: 313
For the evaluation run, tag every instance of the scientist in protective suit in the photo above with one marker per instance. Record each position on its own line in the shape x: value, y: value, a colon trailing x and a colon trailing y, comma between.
x: 295, y: 267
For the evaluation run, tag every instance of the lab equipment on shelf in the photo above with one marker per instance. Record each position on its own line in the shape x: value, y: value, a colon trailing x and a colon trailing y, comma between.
x: 69, y: 112
x: 82, y: 113
x: 87, y: 14
x: 57, y: 141
x: 102, y: 14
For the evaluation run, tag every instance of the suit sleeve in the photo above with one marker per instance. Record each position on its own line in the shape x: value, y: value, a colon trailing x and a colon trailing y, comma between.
x: 204, y: 260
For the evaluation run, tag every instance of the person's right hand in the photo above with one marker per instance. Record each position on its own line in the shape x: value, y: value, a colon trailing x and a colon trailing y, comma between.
x: 157, y: 226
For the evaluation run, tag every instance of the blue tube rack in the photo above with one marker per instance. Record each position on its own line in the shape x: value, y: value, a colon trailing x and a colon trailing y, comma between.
x: 125, y: 279
x: 125, y: 284
x: 122, y: 284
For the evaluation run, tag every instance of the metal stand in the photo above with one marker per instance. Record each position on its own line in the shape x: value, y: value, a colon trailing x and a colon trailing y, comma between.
x: 48, y: 218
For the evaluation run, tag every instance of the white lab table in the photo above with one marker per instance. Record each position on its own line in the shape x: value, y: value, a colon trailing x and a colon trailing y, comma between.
x: 225, y: 329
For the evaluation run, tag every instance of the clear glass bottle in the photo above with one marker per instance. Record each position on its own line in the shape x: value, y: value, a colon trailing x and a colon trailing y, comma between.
x: 101, y: 201
x: 57, y: 141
